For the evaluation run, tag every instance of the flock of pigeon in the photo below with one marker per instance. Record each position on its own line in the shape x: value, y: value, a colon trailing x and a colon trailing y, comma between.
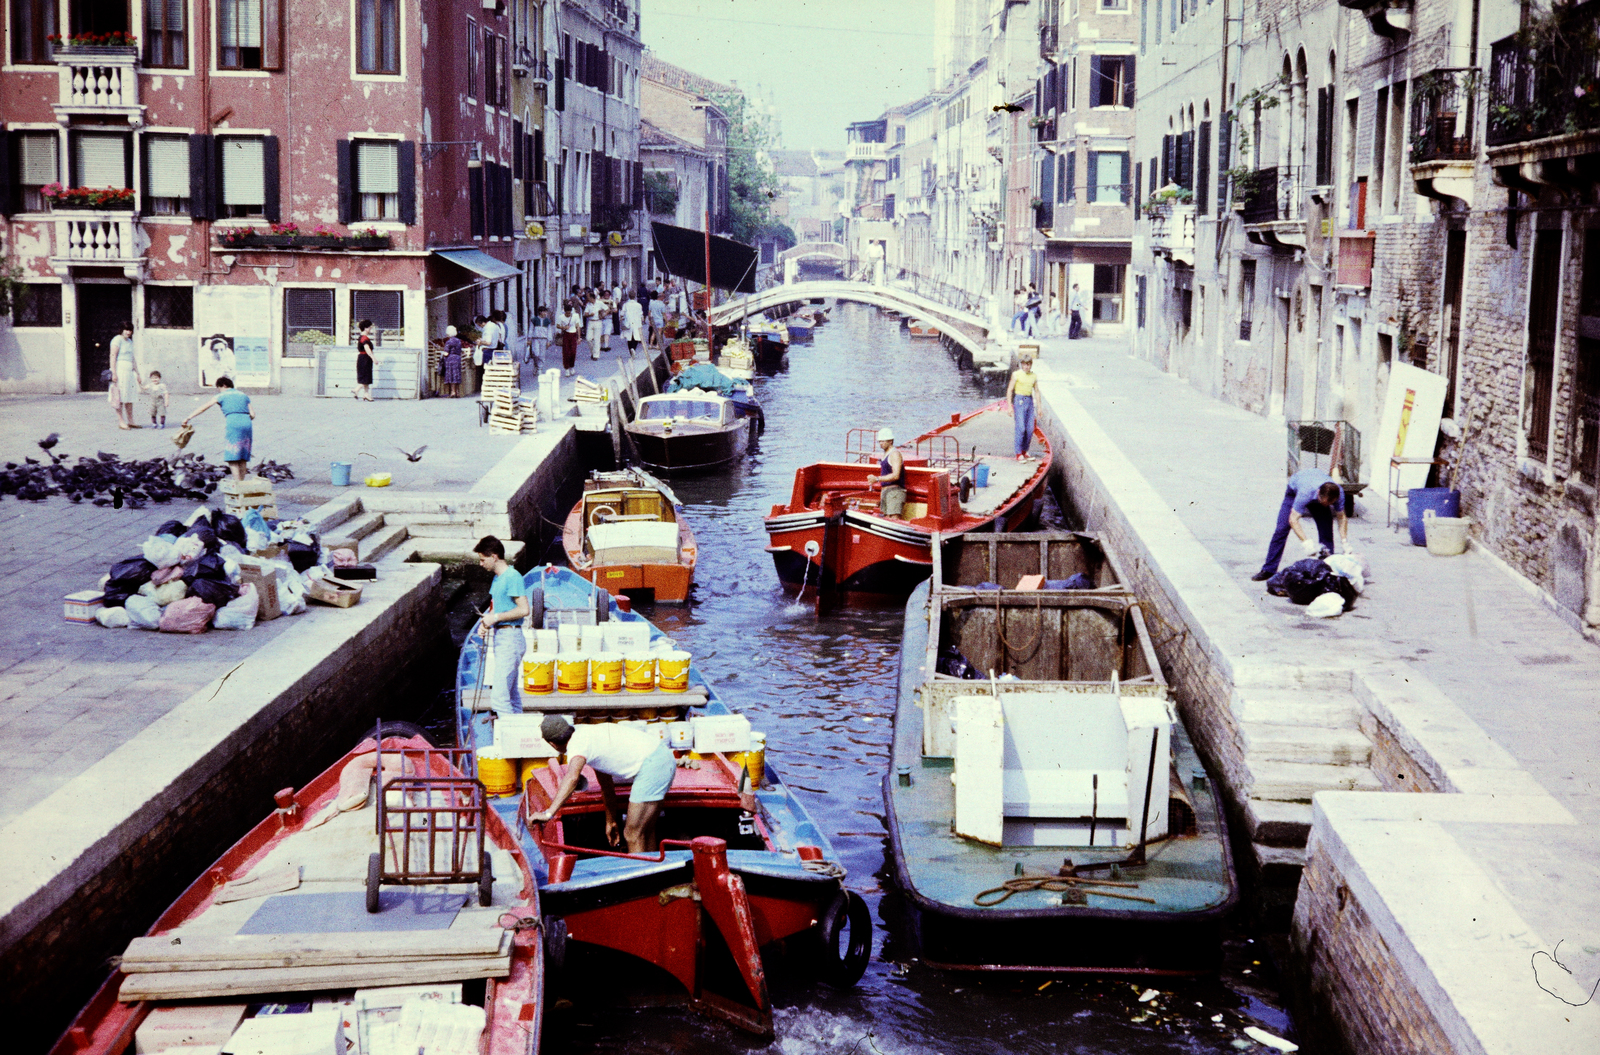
x: 107, y: 480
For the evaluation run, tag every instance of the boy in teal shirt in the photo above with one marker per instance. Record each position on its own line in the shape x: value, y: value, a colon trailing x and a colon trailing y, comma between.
x: 502, y: 625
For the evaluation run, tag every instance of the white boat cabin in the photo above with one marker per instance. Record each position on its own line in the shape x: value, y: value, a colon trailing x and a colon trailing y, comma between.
x: 692, y: 407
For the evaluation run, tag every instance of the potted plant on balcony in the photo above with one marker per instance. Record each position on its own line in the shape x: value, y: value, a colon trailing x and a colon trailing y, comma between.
x: 321, y: 237
x: 367, y: 238
x: 60, y: 198
x: 94, y: 45
x: 238, y: 237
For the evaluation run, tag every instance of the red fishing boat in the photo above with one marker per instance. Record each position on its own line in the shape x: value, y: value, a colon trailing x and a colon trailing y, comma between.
x: 364, y: 920
x: 960, y: 477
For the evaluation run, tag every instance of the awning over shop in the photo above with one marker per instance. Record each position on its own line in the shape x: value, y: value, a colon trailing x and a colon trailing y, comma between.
x: 682, y: 252
x: 478, y: 262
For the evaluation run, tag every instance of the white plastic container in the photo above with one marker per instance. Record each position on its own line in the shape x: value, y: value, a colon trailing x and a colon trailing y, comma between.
x: 721, y: 733
x: 547, y: 641
x: 1447, y: 536
x: 568, y: 637
x: 680, y: 735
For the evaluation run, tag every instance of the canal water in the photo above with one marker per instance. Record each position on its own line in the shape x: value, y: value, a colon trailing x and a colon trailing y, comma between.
x: 823, y: 692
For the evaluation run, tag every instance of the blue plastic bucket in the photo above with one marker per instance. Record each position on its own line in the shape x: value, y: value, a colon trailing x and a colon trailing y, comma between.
x: 1443, y: 501
x: 340, y: 472
x: 980, y: 475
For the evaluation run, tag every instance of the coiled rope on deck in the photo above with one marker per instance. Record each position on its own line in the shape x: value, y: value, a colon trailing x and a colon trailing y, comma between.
x: 1056, y: 884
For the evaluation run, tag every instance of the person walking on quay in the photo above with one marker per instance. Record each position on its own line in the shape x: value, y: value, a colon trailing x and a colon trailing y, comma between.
x: 364, y: 361
x: 658, y: 319
x: 892, y: 476
x: 1077, y: 305
x: 1019, y: 309
x: 1033, y: 302
x: 1019, y: 393
x: 501, y: 625
x: 540, y: 341
x: 159, y: 399
x: 450, y: 364
x: 608, y: 318
x: 592, y: 328
x: 1052, y: 318
x: 632, y: 316
x: 1310, y: 492
x: 567, y: 325
x: 615, y: 752
x: 238, y: 425
x: 126, y: 378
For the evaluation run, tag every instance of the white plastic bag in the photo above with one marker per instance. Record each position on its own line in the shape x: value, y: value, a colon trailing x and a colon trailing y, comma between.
x: 1328, y: 606
x: 238, y: 614
x: 159, y: 551
x: 1348, y: 565
x: 167, y: 592
x: 112, y: 618
x: 199, y: 512
x: 291, y: 595
x: 187, y: 548
x: 143, y: 613
x: 1311, y: 546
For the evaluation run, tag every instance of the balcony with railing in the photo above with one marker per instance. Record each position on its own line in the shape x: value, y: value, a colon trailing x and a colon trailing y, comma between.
x: 95, y: 238
x: 1444, y: 140
x: 1172, y: 229
x: 864, y: 152
x: 99, y: 82
x: 1544, y: 97
x: 1271, y: 207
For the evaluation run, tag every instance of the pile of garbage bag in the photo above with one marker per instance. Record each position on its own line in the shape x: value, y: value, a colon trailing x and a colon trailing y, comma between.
x: 1327, y: 585
x: 187, y: 577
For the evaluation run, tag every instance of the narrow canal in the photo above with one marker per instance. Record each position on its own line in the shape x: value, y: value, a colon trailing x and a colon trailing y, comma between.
x: 823, y: 692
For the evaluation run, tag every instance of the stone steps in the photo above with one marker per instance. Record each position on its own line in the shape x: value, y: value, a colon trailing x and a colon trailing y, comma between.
x: 1308, y: 709
x: 380, y: 542
x: 1304, y: 743
x: 446, y: 550
x: 1298, y: 781
x: 1277, y: 824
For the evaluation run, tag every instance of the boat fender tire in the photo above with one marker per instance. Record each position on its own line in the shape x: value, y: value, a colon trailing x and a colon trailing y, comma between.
x: 536, y: 607
x: 486, y: 883
x: 374, y: 880
x: 843, y: 969
x: 966, y: 489
x: 406, y: 729
x: 602, y: 605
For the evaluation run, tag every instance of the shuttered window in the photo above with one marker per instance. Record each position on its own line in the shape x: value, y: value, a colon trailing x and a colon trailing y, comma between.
x: 32, y: 24
x: 243, y: 177
x: 378, y: 36
x: 308, y: 321
x: 99, y: 160
x: 37, y: 164
x: 1106, y: 170
x: 164, y: 33
x: 383, y: 306
x: 378, y: 179
x: 472, y: 59
x: 249, y: 34
x: 166, y: 175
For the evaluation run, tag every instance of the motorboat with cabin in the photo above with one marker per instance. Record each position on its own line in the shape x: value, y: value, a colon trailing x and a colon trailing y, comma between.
x: 769, y: 338
x: 627, y: 534
x: 703, y: 420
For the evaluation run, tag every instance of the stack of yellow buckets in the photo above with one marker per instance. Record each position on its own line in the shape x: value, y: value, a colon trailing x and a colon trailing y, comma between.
x: 605, y: 659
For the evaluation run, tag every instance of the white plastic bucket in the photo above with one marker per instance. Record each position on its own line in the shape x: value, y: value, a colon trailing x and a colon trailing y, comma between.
x: 1447, y: 536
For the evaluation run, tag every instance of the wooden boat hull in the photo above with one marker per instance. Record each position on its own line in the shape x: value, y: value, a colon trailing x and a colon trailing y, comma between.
x: 666, y: 581
x: 770, y: 345
x: 1188, y: 874
x: 690, y: 450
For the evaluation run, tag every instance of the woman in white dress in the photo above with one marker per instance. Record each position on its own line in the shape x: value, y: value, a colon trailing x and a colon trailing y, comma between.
x: 126, y: 377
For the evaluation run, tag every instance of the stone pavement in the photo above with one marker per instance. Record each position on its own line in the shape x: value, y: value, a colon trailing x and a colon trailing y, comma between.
x: 1472, y: 627
x: 69, y: 694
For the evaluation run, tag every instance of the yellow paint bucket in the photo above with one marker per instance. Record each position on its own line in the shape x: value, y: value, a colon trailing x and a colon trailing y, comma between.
x: 499, y: 775
x: 539, y: 675
x: 639, y: 672
x: 530, y: 766
x: 755, y: 759
x: 605, y: 672
x: 674, y: 670
x: 572, y: 673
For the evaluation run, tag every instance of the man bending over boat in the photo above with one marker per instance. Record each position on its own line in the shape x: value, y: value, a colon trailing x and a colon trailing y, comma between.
x: 614, y: 752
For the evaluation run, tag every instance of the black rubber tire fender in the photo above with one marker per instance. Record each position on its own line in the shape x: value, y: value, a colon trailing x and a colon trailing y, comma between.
x: 486, y: 883
x: 536, y: 607
x: 374, y: 879
x: 843, y: 970
x: 406, y: 729
x: 965, y: 489
x: 602, y: 605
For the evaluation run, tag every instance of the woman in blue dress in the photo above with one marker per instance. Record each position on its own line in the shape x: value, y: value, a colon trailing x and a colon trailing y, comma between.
x: 238, y: 425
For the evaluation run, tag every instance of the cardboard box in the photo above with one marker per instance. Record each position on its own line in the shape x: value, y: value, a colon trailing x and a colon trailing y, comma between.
x: 517, y: 736
x: 80, y: 607
x: 333, y: 593
x: 721, y: 733
x: 265, y: 580
x: 187, y: 1026
x: 318, y: 1032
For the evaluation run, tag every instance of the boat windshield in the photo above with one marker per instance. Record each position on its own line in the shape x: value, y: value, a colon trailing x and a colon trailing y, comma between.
x: 685, y: 409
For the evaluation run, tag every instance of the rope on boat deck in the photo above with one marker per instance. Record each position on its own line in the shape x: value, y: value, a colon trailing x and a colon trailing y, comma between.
x: 1056, y: 884
x: 1038, y: 628
x: 519, y: 922
x: 824, y: 868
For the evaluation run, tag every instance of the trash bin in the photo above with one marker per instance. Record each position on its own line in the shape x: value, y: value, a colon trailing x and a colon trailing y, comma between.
x: 340, y: 473
x: 1447, y: 536
x: 1441, y: 500
x: 980, y: 475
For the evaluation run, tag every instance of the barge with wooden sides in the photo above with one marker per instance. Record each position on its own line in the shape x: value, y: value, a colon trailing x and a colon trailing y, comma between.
x: 831, y: 538
x: 743, y: 869
x: 349, y: 920
x: 1046, y: 809
x: 627, y: 534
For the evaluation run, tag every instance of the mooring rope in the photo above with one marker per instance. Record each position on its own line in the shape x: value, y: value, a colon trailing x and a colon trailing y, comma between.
x: 1056, y: 884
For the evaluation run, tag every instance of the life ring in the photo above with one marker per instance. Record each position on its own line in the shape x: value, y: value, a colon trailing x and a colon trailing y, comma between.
x: 842, y: 969
x: 598, y: 514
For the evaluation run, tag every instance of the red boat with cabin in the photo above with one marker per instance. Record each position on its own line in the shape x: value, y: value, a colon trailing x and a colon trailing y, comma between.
x: 960, y: 477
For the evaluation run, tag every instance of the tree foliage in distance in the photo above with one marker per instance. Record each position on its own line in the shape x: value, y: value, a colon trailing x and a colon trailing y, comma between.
x: 752, y: 184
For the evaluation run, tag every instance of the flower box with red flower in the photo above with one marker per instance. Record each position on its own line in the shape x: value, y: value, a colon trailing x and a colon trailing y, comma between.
x: 59, y: 197
x: 93, y: 45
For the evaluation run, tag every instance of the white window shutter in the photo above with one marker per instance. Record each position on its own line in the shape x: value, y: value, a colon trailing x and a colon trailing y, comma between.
x: 377, y: 168
x: 100, y: 161
x: 39, y: 159
x: 243, y: 174
x: 168, y: 161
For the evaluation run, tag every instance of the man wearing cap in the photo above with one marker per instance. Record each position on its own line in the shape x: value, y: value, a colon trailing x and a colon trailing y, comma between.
x: 615, y: 752
x: 892, y: 466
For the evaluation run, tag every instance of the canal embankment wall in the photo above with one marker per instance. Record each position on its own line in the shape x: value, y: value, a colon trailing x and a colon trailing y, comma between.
x: 1381, y: 814
x: 94, y: 863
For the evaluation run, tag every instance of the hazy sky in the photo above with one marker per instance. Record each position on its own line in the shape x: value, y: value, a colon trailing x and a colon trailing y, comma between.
x: 826, y: 62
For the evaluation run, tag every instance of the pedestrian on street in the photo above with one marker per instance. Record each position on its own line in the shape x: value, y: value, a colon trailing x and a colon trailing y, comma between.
x: 658, y: 319
x: 632, y: 323
x: 1313, y: 493
x: 501, y: 625
x: 479, y: 323
x: 363, y: 389
x: 1019, y: 394
x: 1033, y: 301
x: 1052, y: 317
x: 615, y: 752
x: 1019, y: 309
x: 126, y: 378
x: 450, y: 364
x: 568, y: 323
x: 608, y: 317
x: 160, y: 397
x: 540, y: 341
x: 594, y: 327
x: 238, y: 425
x: 1077, y: 305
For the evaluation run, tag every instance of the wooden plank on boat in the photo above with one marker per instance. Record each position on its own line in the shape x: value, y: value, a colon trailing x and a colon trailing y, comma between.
x: 187, y: 985
x: 558, y: 702
x: 168, y: 952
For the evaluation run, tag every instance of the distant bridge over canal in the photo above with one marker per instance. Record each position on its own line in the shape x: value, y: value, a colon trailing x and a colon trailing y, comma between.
x: 966, y: 329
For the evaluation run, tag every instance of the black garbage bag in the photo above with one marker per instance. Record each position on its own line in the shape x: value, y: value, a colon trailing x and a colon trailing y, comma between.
x: 206, y: 566
x: 130, y: 574
x: 1306, y: 580
x: 302, y: 556
x: 203, y: 532
x: 953, y: 663
x: 213, y: 592
x: 116, y: 597
x: 229, y: 528
x: 174, y: 528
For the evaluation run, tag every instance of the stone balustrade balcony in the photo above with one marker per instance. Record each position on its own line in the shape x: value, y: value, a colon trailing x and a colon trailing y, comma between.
x: 99, y: 82
x: 92, y: 238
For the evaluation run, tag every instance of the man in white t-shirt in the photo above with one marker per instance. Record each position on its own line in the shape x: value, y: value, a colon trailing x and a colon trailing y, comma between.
x: 632, y: 323
x: 615, y: 752
x: 594, y: 316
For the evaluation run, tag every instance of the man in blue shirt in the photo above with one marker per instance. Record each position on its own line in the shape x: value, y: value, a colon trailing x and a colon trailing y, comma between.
x: 501, y: 625
x: 1313, y: 493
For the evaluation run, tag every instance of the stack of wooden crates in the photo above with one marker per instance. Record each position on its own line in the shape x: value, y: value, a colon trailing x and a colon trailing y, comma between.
x: 241, y: 496
x: 510, y: 411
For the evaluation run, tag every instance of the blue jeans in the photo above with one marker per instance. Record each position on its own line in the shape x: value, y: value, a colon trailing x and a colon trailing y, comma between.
x: 1017, y: 320
x: 505, y: 695
x: 1319, y: 513
x: 1022, y: 406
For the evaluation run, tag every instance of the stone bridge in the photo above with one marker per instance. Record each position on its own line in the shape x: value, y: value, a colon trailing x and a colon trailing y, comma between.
x: 813, y: 250
x: 966, y: 329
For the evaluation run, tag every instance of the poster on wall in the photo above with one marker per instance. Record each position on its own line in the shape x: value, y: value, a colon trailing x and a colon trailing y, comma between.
x: 250, y: 357
x: 1410, y: 426
x: 232, y: 322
